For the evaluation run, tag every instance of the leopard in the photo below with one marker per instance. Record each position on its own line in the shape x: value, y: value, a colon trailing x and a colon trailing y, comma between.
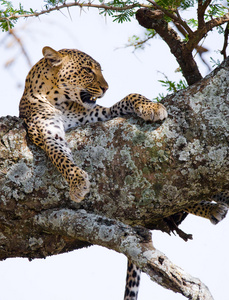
x: 60, y: 93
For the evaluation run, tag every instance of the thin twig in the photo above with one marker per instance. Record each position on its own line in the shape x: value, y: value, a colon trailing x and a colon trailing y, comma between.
x: 137, y: 45
x: 68, y: 5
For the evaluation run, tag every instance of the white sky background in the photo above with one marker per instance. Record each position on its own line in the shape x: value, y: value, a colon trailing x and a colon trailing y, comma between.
x: 98, y: 273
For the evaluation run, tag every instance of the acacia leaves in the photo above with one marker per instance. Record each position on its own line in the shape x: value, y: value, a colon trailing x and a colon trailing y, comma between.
x: 124, y: 15
x: 7, y: 13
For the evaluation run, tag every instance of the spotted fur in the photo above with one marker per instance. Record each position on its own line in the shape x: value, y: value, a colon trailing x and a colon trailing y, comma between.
x: 215, y: 210
x: 132, y: 281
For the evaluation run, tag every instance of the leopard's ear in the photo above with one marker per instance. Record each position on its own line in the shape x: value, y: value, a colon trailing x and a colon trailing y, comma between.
x: 54, y: 58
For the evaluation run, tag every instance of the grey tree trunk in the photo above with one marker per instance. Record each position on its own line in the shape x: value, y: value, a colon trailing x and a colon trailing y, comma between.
x: 140, y: 175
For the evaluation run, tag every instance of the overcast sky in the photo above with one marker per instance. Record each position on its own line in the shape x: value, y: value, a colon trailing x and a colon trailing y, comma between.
x: 98, y: 273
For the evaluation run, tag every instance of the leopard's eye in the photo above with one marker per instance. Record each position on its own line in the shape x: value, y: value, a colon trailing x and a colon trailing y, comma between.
x: 88, y: 70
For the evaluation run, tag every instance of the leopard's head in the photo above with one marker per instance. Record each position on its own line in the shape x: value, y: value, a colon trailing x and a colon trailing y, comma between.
x: 77, y: 74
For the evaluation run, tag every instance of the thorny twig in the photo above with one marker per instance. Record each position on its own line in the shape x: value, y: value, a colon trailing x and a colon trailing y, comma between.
x: 77, y: 4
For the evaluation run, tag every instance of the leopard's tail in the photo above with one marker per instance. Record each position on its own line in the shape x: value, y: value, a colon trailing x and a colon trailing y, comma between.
x: 132, y: 281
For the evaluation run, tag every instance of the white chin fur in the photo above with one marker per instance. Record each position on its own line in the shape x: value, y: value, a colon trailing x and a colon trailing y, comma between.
x: 89, y: 105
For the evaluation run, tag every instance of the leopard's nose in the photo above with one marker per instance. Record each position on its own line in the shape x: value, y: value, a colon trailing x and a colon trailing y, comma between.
x: 104, y: 89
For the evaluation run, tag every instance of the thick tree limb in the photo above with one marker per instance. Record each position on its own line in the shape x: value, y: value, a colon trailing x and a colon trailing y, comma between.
x: 136, y: 244
x: 141, y: 174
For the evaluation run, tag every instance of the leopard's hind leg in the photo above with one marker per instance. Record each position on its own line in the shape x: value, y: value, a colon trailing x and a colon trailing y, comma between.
x: 215, y: 212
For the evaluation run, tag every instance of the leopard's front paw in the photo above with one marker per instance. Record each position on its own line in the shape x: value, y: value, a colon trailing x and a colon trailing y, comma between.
x: 151, y: 111
x: 79, y: 187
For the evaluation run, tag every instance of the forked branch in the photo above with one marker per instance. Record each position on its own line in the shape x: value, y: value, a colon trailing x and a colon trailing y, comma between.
x: 146, y: 18
x: 225, y: 44
x: 202, y: 6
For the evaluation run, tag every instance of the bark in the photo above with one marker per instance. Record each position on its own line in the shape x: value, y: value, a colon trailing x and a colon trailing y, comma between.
x: 140, y: 173
x: 183, y: 54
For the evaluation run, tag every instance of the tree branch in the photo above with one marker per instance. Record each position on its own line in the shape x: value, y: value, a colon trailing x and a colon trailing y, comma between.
x: 74, y: 4
x: 204, y: 29
x: 225, y: 44
x: 135, y: 244
x: 178, y: 24
x: 153, y: 19
x: 217, y: 22
x: 201, y: 11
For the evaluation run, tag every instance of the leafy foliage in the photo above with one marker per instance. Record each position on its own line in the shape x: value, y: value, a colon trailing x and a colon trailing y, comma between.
x: 215, y: 63
x: 140, y: 42
x: 215, y: 10
x: 171, y: 86
x: 192, y: 22
x: 173, y: 5
x: 52, y: 3
x: 122, y: 15
x: 5, y: 23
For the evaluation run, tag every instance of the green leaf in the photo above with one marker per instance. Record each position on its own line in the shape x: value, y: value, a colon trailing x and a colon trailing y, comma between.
x: 215, y: 11
x: 171, y: 86
x: 124, y: 15
x: 10, y: 11
x: 192, y: 22
x: 215, y: 63
x: 173, y: 5
x: 140, y: 42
